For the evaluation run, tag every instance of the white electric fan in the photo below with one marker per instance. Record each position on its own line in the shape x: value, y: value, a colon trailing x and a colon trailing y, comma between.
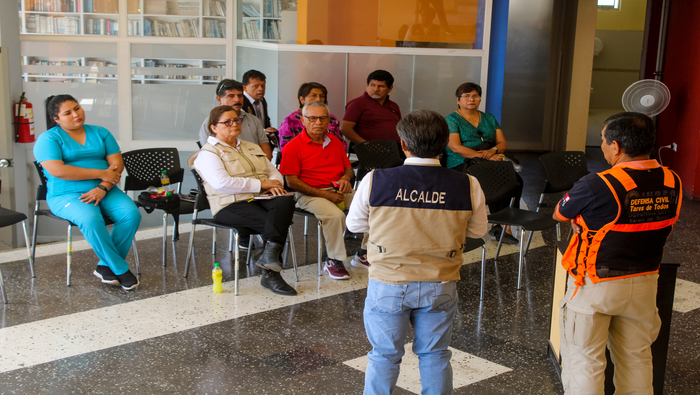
x: 649, y: 97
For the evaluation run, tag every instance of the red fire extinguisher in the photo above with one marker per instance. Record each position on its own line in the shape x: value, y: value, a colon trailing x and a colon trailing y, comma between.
x: 24, y: 121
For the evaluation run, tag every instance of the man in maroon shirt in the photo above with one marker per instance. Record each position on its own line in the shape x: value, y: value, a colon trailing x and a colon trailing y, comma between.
x: 373, y: 116
x: 317, y: 168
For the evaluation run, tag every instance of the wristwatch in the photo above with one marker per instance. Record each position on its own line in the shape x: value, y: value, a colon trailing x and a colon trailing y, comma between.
x: 495, y: 149
x: 104, y: 188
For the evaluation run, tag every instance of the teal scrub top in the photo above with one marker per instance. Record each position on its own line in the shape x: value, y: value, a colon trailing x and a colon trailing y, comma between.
x: 56, y: 144
x: 469, y: 135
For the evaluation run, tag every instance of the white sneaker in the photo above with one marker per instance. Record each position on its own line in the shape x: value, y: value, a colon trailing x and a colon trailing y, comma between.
x: 360, y: 261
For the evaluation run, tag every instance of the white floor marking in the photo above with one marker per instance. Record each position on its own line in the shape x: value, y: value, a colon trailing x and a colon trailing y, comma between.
x: 466, y: 369
x: 687, y: 296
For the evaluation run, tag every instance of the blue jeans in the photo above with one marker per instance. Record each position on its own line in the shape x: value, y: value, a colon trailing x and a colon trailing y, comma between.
x: 430, y: 308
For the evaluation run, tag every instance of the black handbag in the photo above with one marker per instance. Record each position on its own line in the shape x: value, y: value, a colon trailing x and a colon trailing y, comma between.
x: 160, y: 202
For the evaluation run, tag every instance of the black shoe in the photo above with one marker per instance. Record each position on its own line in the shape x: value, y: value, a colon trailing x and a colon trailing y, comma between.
x: 510, y: 239
x: 495, y: 231
x: 106, y: 274
x: 270, y: 258
x: 275, y: 283
x: 128, y: 281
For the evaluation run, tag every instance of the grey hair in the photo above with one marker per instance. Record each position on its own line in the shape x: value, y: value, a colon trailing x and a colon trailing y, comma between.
x: 315, y: 104
x: 425, y: 133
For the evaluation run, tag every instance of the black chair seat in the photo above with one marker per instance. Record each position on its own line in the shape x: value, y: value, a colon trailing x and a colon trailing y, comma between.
x: 472, y: 244
x: 9, y: 217
x: 529, y: 220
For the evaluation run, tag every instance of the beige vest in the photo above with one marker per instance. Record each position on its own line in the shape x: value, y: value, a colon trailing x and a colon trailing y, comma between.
x: 250, y: 162
x: 408, y: 243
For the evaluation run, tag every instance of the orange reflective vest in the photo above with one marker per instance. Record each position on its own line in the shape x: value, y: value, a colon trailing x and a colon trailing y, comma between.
x: 648, y: 201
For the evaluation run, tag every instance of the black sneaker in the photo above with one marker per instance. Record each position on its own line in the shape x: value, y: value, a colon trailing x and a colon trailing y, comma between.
x: 128, y: 281
x: 106, y: 275
x: 510, y: 239
x: 495, y: 231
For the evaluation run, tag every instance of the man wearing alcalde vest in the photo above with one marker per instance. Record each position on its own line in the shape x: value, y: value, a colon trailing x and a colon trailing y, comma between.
x: 621, y: 219
x: 417, y: 216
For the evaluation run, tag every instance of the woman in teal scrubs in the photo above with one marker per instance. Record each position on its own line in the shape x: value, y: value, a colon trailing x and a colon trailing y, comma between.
x: 83, y: 164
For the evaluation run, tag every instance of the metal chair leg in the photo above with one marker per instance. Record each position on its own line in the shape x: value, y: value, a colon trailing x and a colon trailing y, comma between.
x: 558, y: 231
x: 189, y: 245
x: 230, y: 241
x: 136, y: 256
x: 500, y: 242
x: 213, y: 241
x: 29, y: 248
x: 320, y: 246
x: 69, y: 254
x: 290, y: 243
x: 529, y: 239
x: 165, y: 235
x: 2, y: 289
x: 249, y: 255
x: 483, y: 269
x: 36, y: 219
x: 520, y: 261
x: 236, y: 263
x: 306, y: 226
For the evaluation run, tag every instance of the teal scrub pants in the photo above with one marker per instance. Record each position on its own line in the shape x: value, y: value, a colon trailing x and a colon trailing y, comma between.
x: 117, y: 206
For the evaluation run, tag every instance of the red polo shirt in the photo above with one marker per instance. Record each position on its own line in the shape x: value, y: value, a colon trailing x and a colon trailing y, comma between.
x: 315, y: 164
x: 373, y: 121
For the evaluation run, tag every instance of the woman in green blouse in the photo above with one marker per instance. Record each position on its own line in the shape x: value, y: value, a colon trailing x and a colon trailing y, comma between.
x: 476, y: 134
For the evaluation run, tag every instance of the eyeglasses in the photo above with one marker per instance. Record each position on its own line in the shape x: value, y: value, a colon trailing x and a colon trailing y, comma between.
x: 313, y: 119
x: 225, y: 86
x: 231, y: 121
x: 475, y: 97
x: 481, y: 135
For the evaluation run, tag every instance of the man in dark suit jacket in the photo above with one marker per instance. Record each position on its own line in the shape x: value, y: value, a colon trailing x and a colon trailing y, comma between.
x: 254, y: 98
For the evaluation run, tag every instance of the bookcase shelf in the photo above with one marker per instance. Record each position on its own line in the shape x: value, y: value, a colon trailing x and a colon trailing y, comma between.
x: 260, y: 20
x: 180, y: 71
x: 68, y: 69
x: 160, y: 18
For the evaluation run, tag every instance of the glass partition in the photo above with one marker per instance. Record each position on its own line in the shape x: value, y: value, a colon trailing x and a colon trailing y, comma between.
x: 384, y: 23
x: 173, y: 89
x: 86, y: 71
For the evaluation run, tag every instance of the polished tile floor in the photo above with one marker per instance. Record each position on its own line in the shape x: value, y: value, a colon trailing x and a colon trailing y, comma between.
x: 173, y: 335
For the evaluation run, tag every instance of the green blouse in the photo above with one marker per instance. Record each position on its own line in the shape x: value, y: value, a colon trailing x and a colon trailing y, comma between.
x: 469, y: 135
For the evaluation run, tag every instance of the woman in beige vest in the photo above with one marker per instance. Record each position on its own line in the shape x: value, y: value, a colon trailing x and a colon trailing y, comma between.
x: 235, y: 172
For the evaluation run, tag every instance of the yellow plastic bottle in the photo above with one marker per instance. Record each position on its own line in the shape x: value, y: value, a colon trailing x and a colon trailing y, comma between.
x: 341, y: 205
x: 217, y: 275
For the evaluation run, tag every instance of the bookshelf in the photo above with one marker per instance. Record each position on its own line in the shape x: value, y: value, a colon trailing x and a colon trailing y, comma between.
x: 69, y: 69
x: 180, y: 71
x: 261, y: 20
x: 154, y: 18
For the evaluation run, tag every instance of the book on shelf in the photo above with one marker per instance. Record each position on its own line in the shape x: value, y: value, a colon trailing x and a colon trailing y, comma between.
x: 102, y: 6
x: 250, y: 30
x: 217, y: 8
x: 101, y: 26
x: 181, y: 28
x: 97, y: 64
x: 272, y: 8
x: 250, y: 11
x: 134, y: 27
x: 272, y: 30
x: 53, y: 5
x: 214, y: 28
x: 53, y: 24
x: 184, y: 7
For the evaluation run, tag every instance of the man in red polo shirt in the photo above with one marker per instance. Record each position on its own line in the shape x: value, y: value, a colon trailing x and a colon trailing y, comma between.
x: 317, y: 168
x: 373, y: 116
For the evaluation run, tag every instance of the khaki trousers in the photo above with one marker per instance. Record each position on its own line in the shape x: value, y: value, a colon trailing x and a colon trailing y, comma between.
x: 621, y: 314
x: 333, y: 220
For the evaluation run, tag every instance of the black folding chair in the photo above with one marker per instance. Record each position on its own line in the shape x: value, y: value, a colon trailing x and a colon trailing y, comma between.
x: 9, y: 218
x: 376, y: 154
x: 498, y: 181
x: 143, y: 168
x: 200, y: 204
x: 41, y: 192
x: 563, y: 169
